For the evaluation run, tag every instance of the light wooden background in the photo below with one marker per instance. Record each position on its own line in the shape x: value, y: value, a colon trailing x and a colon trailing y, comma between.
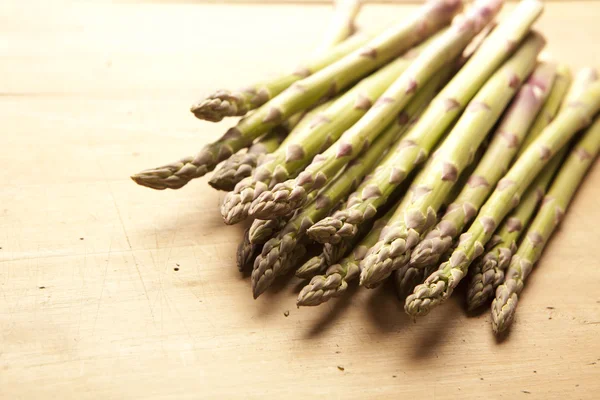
x: 90, y: 304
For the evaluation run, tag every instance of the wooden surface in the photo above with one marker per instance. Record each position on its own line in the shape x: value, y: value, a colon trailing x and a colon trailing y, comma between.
x: 91, y: 306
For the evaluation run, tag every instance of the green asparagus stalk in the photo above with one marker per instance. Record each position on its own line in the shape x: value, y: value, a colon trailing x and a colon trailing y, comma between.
x: 241, y: 165
x: 453, y: 156
x: 342, y: 26
x: 246, y: 252
x: 335, y: 280
x: 406, y: 278
x: 440, y: 285
x: 322, y: 129
x: 507, y: 139
x: 304, y: 93
x: 225, y: 103
x: 487, y: 272
x: 292, y: 194
x: 275, y: 259
x: 332, y: 230
x: 559, y: 196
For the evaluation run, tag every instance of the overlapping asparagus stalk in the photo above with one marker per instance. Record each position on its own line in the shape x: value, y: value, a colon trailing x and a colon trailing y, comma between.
x: 440, y: 285
x: 292, y: 194
x: 241, y: 165
x: 547, y: 219
x: 275, y: 256
x: 437, y: 118
x: 406, y: 278
x: 335, y: 281
x: 278, y: 254
x: 507, y: 139
x: 487, y: 272
x: 319, y: 131
x: 453, y: 156
x: 429, y: 18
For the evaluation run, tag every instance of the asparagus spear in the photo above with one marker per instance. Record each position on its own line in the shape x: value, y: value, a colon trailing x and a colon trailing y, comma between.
x: 292, y: 194
x: 547, y: 219
x: 335, y: 280
x: 225, y: 103
x: 312, y: 267
x: 406, y: 278
x: 241, y: 165
x: 275, y: 258
x: 342, y: 25
x: 246, y: 252
x: 487, y: 272
x: 262, y: 230
x: 453, y: 156
x: 306, y: 92
x: 439, y: 285
x: 509, y: 135
x: 322, y: 129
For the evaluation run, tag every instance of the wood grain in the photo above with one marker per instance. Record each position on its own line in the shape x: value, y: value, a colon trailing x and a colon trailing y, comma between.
x: 91, y: 306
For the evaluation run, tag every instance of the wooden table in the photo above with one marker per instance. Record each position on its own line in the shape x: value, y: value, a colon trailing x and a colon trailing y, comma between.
x: 92, y: 305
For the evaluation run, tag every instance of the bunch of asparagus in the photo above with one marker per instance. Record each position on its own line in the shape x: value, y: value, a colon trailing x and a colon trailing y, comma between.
x: 422, y: 153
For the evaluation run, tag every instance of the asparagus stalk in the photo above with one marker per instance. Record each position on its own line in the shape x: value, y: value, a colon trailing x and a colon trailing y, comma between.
x: 322, y: 129
x: 453, y: 156
x: 487, y: 272
x: 306, y: 92
x: 547, y: 219
x: 406, y: 278
x: 275, y: 259
x: 335, y: 280
x: 342, y: 25
x: 241, y: 165
x: 333, y: 231
x: 444, y: 109
x: 225, y: 103
x: 292, y: 194
x: 440, y: 285
x: 507, y: 139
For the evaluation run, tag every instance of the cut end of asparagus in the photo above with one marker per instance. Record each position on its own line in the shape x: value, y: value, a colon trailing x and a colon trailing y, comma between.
x: 282, y: 200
